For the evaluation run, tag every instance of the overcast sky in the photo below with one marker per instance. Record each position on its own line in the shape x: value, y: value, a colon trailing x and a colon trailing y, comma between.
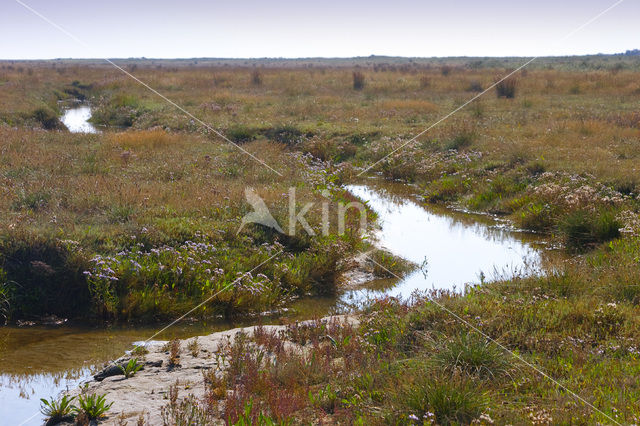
x: 329, y: 28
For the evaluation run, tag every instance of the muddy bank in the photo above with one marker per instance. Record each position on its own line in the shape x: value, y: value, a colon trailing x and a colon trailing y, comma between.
x: 148, y: 390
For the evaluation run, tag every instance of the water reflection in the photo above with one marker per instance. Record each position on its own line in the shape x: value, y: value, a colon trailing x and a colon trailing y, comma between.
x: 77, y: 120
x: 459, y: 248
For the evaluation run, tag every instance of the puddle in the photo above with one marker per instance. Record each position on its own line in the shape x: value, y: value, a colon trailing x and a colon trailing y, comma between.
x: 77, y: 120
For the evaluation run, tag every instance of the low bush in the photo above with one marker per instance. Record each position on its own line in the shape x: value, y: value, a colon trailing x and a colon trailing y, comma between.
x: 47, y: 119
x: 358, y: 80
x: 241, y: 133
x: 581, y: 228
x: 473, y: 355
x: 449, y: 400
x: 462, y: 140
x: 507, y: 88
x: 475, y: 86
x: 286, y: 134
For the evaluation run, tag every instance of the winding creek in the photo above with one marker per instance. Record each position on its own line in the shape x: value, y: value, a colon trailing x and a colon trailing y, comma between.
x: 459, y: 248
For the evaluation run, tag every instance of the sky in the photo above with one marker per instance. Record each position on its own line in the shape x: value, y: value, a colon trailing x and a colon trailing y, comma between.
x: 328, y: 28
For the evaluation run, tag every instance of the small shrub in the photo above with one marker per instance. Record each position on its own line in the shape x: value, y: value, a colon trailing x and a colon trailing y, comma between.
x: 194, y: 347
x: 326, y: 399
x: 93, y: 406
x: 174, y: 353
x: 507, y: 88
x: 57, y: 410
x: 475, y: 86
x: 473, y: 355
x: 425, y: 82
x: 120, y: 214
x: 35, y: 201
x: 123, y: 100
x: 256, y: 78
x: 140, y: 351
x: 451, y: 400
x: 463, y: 140
x: 358, y: 80
x: 536, y: 168
x: 189, y: 411
x: 216, y: 388
x: 131, y: 368
x: 446, y: 188
x: 47, y: 119
x: 582, y: 228
x: 445, y: 70
x: 286, y: 134
x: 241, y: 134
x: 536, y: 217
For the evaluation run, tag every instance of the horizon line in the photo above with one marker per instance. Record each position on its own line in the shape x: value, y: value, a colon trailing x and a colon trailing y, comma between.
x: 302, y: 58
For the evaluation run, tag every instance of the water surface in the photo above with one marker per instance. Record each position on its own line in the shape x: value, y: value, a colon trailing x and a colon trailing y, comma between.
x: 77, y: 119
x: 454, y: 248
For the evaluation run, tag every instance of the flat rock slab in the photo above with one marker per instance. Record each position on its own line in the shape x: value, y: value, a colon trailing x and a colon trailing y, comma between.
x: 147, y: 391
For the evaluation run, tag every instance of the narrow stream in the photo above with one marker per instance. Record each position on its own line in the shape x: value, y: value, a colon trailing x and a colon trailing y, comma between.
x: 452, y: 248
x: 459, y: 248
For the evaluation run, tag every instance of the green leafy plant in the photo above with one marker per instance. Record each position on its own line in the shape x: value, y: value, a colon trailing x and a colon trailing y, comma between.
x: 131, y: 368
x: 57, y: 410
x: 93, y: 406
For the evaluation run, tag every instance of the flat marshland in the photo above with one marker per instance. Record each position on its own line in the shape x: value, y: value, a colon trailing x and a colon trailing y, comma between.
x: 139, y: 223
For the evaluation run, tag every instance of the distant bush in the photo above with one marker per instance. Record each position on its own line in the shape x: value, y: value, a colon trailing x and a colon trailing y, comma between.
x: 425, y: 82
x: 286, y: 134
x: 507, y: 88
x: 475, y: 86
x: 462, y: 140
x: 123, y: 100
x: 358, y: 80
x: 256, y: 78
x: 536, y: 168
x: 241, y: 134
x: 445, y: 70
